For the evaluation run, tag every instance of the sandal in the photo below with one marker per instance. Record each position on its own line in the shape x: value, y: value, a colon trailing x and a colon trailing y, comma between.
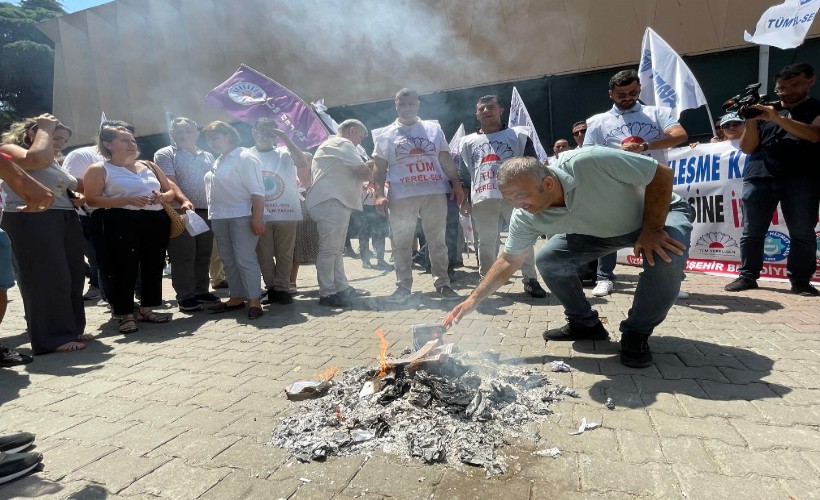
x: 70, y: 347
x: 224, y: 307
x: 255, y: 312
x: 84, y: 337
x: 128, y: 325
x: 153, y: 317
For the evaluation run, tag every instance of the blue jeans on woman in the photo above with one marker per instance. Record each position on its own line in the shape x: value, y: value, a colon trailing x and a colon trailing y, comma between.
x: 799, y: 199
x: 658, y: 286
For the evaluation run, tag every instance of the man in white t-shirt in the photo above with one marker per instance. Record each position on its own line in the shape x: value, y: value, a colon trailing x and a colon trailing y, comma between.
x: 413, y: 155
x: 282, y: 167
x: 482, y: 153
x: 630, y: 126
x: 338, y: 172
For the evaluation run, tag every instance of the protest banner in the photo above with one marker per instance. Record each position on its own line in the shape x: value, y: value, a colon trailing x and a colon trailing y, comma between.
x: 249, y: 95
x: 710, y: 178
x: 785, y: 25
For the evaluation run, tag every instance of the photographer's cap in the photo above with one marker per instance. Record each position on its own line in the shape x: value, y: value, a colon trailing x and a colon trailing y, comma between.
x: 730, y: 117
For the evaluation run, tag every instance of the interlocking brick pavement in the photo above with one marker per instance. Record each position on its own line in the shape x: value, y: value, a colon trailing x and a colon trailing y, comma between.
x: 731, y: 406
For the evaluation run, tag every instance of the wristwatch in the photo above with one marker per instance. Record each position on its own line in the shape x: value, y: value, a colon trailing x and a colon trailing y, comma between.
x: 645, y: 146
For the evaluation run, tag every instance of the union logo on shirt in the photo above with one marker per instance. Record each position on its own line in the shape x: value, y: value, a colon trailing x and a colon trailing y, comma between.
x: 414, y: 146
x: 274, y: 185
x: 634, y: 132
x: 494, y: 151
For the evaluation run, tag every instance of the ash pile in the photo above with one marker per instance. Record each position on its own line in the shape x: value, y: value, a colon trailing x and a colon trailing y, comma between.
x: 438, y: 406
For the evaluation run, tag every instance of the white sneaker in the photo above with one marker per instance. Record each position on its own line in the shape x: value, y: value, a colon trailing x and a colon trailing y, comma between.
x: 683, y: 295
x: 602, y: 288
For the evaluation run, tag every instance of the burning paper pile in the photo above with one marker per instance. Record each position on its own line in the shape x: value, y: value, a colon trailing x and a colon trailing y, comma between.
x: 434, y: 405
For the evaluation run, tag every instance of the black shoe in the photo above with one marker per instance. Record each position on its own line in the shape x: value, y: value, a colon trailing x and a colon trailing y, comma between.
x: 349, y: 252
x: 452, y: 275
x: 10, y: 357
x: 351, y: 293
x: 740, y: 284
x: 383, y: 266
x: 332, y: 301
x: 400, y: 296
x: 635, y: 351
x: 279, y: 297
x: 447, y: 293
x: 804, y: 289
x: 533, y: 288
x: 190, y: 304
x: 15, y: 443
x: 207, y: 298
x: 366, y: 264
x: 576, y: 331
x: 14, y: 465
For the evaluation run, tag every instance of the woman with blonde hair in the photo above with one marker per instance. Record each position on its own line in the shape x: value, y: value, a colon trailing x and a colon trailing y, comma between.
x: 236, y: 203
x: 136, y: 229
x: 47, y: 244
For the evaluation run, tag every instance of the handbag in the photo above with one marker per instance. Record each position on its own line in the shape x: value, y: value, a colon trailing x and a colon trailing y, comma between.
x: 177, y: 221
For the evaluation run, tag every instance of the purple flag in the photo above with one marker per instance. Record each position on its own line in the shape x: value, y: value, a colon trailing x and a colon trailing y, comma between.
x: 249, y: 95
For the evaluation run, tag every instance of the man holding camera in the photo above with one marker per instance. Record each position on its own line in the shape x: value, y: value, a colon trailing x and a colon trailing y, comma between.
x: 782, y: 168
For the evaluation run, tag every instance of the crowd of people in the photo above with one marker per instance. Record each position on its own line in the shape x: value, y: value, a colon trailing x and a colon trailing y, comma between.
x: 270, y: 208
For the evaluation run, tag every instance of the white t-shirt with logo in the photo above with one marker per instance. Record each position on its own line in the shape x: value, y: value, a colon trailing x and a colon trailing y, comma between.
x: 636, y: 125
x: 411, y: 153
x: 282, y: 201
x: 483, y: 155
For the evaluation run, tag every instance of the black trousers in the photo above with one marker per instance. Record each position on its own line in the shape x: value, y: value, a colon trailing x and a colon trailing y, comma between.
x: 135, y: 242
x: 49, y: 251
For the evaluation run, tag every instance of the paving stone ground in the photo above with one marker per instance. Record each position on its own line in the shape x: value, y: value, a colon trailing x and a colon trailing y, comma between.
x: 731, y: 407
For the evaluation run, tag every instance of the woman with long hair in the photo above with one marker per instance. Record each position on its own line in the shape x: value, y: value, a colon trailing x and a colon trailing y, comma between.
x: 135, y: 227
x: 48, y: 245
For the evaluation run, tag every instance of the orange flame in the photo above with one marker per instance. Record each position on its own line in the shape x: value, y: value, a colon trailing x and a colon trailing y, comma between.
x: 384, y: 365
x: 328, y: 374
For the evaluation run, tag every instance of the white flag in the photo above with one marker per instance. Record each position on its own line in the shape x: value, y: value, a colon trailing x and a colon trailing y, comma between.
x: 455, y: 141
x: 321, y: 110
x: 784, y: 26
x: 519, y: 117
x: 665, y: 79
x: 103, y: 119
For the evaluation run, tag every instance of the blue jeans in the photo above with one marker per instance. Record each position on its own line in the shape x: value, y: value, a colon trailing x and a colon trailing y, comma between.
x: 658, y: 285
x: 799, y: 199
x: 606, y: 266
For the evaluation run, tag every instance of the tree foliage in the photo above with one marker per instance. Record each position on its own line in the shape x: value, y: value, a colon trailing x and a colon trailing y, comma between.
x: 26, y: 59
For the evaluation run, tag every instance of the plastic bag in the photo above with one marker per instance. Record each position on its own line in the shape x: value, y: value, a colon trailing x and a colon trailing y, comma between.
x: 195, y: 224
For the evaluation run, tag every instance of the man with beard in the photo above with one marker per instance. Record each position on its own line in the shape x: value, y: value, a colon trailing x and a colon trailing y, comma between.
x: 782, y: 168
x: 482, y: 153
x: 630, y: 126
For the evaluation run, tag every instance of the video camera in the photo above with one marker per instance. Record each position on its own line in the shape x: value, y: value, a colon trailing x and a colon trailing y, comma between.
x: 741, y: 103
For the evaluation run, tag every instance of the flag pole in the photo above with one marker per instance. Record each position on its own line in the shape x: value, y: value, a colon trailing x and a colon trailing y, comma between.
x: 711, y: 121
x: 763, y: 69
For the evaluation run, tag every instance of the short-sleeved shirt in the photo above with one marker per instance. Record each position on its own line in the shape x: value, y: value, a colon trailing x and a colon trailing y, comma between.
x: 333, y: 175
x: 77, y: 162
x: 638, y: 124
x: 604, y: 195
x: 483, y: 155
x: 411, y: 153
x: 55, y: 178
x: 234, y: 178
x: 189, y: 169
x: 781, y: 154
x: 282, y: 199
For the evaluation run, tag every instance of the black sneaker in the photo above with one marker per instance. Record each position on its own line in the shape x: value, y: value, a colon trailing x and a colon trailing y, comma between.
x: 279, y: 297
x: 15, y: 443
x: 400, y: 296
x: 10, y: 357
x: 447, y: 293
x: 533, y: 288
x: 740, y: 284
x: 207, y: 298
x: 189, y: 305
x: 635, y: 351
x: 576, y: 331
x: 332, y: 301
x: 366, y: 264
x: 14, y: 465
x: 381, y: 265
x: 804, y: 289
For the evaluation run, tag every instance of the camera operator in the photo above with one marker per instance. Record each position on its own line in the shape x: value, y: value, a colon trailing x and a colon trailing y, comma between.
x: 783, y: 168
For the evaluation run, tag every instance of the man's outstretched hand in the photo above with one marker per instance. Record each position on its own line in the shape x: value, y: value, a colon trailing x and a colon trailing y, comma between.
x: 459, y: 311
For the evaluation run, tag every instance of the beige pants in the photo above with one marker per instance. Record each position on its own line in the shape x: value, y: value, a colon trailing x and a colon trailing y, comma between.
x: 485, y: 215
x: 403, y: 216
x: 215, y: 269
x: 275, y: 254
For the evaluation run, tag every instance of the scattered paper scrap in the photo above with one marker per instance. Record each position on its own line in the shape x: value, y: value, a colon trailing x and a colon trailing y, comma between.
x: 560, y: 366
x: 550, y: 452
x: 585, y: 426
x: 609, y: 404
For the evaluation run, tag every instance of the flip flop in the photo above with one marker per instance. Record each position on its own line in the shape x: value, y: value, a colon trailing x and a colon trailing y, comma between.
x: 224, y: 307
x: 153, y: 317
x: 255, y: 312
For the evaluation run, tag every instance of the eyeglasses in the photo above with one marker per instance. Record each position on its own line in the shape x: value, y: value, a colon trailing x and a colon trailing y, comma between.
x: 580, y: 132
x: 731, y: 125
x: 624, y: 95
